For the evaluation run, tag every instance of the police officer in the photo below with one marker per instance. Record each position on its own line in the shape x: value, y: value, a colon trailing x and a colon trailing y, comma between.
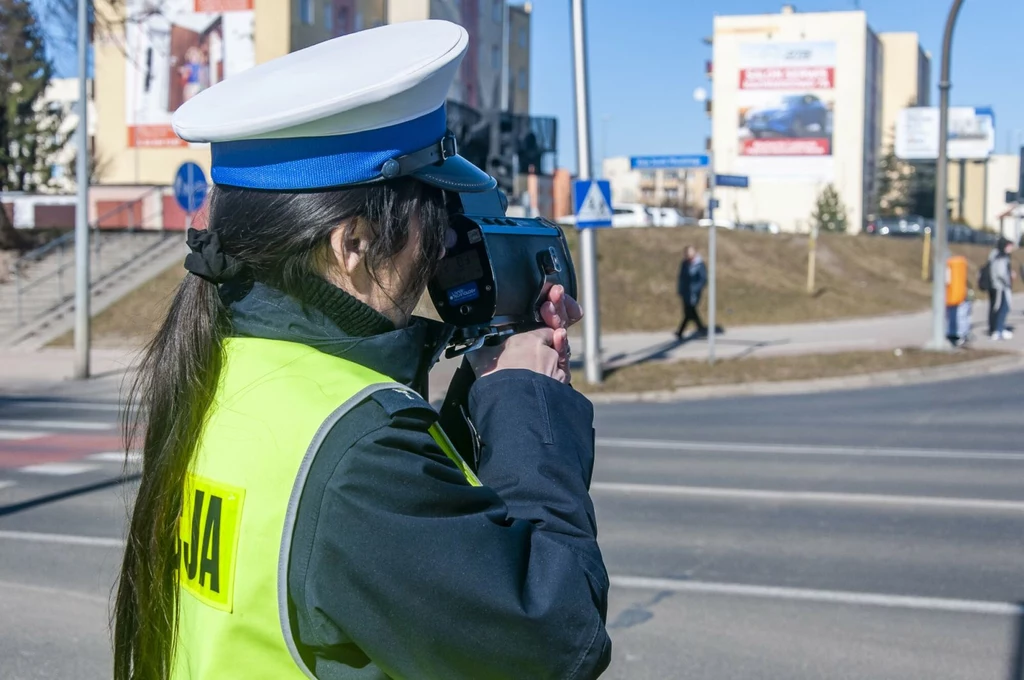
x: 301, y: 511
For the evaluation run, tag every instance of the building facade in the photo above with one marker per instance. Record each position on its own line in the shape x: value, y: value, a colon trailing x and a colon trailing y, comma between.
x: 682, y: 189
x: 906, y: 79
x: 62, y: 94
x: 977, y: 189
x: 796, y: 107
x: 160, y: 59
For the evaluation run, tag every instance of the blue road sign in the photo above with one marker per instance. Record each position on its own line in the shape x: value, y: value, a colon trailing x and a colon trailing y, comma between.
x: 593, y: 201
x: 738, y: 181
x: 683, y: 161
x: 190, y: 187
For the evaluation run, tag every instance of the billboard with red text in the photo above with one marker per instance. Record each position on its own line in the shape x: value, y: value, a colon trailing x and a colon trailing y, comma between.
x: 176, y: 49
x: 786, y: 99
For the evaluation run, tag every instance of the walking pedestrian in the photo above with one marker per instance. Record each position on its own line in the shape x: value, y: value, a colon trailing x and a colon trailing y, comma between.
x: 1000, y: 286
x: 693, y: 276
x: 301, y: 512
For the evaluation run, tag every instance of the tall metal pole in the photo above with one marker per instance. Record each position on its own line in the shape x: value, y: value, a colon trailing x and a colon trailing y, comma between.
x: 938, y: 341
x: 588, y: 239
x: 82, y: 208
x: 712, y: 258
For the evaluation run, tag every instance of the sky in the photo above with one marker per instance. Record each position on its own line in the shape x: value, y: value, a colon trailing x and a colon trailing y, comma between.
x: 646, y: 57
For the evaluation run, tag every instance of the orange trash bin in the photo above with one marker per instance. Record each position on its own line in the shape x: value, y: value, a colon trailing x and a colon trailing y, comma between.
x: 956, y: 280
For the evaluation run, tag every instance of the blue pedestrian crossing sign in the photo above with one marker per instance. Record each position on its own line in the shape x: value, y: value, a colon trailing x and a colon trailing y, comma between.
x: 190, y: 187
x: 593, y: 201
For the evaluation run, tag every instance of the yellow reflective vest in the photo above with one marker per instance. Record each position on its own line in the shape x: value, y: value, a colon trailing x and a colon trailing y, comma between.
x: 274, y: 406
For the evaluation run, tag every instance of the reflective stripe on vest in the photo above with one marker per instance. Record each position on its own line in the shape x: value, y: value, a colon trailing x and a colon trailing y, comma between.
x: 275, y: 404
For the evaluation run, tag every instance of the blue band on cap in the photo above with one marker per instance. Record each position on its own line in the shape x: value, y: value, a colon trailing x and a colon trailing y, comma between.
x: 298, y: 163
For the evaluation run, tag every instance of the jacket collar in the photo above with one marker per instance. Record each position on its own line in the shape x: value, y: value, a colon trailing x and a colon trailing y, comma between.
x: 332, y: 321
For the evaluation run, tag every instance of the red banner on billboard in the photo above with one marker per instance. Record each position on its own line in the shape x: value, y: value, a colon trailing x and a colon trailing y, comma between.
x: 787, y: 147
x: 788, y: 78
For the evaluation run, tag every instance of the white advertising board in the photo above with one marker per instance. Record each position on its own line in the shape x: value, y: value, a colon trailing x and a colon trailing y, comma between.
x: 972, y: 133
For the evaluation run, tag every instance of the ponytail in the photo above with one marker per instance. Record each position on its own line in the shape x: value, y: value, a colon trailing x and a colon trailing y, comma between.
x: 171, y: 395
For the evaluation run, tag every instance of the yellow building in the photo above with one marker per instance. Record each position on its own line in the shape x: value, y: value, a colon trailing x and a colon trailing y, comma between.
x: 160, y: 59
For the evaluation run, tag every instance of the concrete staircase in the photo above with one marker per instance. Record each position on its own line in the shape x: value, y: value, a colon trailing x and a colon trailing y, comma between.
x: 37, y: 303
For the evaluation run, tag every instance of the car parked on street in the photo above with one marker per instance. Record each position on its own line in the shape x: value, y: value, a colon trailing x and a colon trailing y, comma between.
x: 910, y: 225
x: 671, y: 217
x: 632, y: 215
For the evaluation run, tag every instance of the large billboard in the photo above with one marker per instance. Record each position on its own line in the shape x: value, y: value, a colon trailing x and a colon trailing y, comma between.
x: 176, y: 49
x: 972, y: 133
x: 786, y: 98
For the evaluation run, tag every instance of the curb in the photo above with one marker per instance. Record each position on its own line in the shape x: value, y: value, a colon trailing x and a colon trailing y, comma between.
x: 910, y: 376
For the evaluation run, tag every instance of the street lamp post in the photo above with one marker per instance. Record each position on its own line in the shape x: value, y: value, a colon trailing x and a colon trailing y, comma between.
x: 938, y: 341
x: 82, y: 207
x: 588, y: 239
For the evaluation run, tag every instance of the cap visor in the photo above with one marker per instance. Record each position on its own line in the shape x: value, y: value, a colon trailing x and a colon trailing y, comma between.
x: 456, y: 174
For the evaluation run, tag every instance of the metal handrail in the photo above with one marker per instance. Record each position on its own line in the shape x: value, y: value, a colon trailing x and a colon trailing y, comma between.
x: 38, y: 253
x: 96, y: 275
x: 99, y: 278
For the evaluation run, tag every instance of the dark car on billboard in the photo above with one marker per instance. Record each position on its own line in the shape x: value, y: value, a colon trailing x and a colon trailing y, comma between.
x: 799, y: 115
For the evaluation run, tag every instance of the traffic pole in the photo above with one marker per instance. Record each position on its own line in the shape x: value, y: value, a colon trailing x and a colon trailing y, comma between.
x: 82, y: 205
x: 938, y: 341
x: 712, y: 258
x: 588, y: 239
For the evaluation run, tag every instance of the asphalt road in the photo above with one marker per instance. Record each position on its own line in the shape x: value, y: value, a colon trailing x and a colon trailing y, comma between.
x: 867, y: 534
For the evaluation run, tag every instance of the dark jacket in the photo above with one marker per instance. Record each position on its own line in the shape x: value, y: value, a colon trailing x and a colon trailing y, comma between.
x: 398, y: 567
x: 693, y: 276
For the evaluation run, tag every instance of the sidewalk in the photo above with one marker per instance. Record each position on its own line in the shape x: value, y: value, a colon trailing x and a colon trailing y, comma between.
x: 50, y: 370
x: 878, y: 333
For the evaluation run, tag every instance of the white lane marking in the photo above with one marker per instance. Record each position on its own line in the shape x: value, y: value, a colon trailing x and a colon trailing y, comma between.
x: 804, y: 450
x: 54, y: 591
x: 58, y: 424
x: 5, y: 483
x: 809, y: 496
x: 63, y: 539
x: 58, y: 469
x: 116, y: 457
x: 20, y: 435
x: 823, y: 596
x: 67, y: 405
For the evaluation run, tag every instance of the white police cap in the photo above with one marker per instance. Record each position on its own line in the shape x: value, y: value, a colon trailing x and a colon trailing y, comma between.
x: 357, y: 109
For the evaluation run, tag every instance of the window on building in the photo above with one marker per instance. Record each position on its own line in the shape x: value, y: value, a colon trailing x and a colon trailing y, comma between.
x: 306, y: 11
x: 328, y: 17
x: 497, y: 10
x: 522, y: 79
x: 647, y: 175
x: 496, y: 58
x: 672, y: 194
x: 522, y: 38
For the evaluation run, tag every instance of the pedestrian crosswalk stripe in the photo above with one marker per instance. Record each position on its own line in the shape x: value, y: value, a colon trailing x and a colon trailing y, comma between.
x: 20, y: 435
x: 58, y: 424
x: 116, y: 457
x: 58, y: 469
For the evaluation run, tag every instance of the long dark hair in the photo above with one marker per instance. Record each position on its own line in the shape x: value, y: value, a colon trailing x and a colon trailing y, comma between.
x: 282, y: 239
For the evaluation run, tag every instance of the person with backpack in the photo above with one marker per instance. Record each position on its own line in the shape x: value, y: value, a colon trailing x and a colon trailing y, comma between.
x: 996, y: 278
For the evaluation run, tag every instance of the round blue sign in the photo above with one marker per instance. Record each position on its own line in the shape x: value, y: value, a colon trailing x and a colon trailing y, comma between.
x: 190, y: 187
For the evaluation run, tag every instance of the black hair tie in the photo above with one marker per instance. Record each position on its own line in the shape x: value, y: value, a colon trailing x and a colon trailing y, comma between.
x: 208, y: 261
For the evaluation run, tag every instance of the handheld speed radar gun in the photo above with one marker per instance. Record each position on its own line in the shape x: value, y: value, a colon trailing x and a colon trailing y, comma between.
x: 497, y: 271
